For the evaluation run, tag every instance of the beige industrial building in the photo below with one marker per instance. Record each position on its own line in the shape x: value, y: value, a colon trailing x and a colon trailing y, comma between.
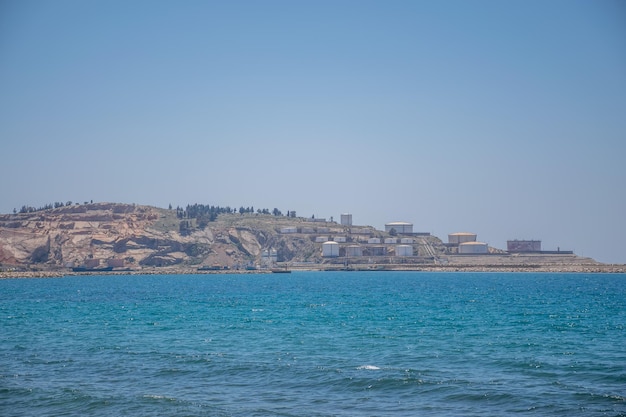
x: 523, y: 245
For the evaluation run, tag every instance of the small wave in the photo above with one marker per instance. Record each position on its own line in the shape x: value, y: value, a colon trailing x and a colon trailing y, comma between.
x: 159, y: 397
x: 369, y: 367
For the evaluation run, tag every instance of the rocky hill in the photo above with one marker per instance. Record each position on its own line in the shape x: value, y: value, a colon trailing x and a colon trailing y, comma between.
x: 130, y: 236
x: 123, y: 236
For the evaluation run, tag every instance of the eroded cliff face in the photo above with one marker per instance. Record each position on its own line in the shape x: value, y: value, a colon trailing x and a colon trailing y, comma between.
x: 123, y: 235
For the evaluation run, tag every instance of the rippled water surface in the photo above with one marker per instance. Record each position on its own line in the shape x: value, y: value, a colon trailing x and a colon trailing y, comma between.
x: 314, y: 344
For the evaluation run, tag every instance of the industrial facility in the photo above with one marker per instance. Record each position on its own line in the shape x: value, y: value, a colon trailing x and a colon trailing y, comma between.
x: 399, y: 242
x: 364, y: 241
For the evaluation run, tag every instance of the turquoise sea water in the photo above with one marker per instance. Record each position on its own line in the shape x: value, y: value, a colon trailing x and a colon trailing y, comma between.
x: 314, y: 344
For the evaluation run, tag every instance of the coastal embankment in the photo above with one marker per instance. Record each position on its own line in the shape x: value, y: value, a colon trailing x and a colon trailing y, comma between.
x: 566, y: 268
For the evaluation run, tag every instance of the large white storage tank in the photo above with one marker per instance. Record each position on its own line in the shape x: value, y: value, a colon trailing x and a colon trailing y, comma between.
x: 330, y: 249
x: 287, y: 230
x: 377, y: 251
x: 374, y: 240
x: 473, y: 248
x: 399, y: 227
x: 341, y: 239
x: 407, y: 241
x: 391, y: 240
x: 321, y: 239
x: 346, y: 219
x: 404, y: 250
x: 461, y: 237
x: 354, y: 250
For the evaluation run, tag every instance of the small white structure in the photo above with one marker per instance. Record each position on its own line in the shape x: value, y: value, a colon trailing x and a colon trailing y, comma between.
x: 374, y: 240
x: 461, y: 237
x: 404, y: 250
x: 346, y: 219
x: 354, y: 250
x: 391, y: 240
x: 330, y: 249
x: 399, y: 227
x: 473, y: 248
x: 340, y: 239
x: 287, y: 230
x: 406, y: 241
x: 321, y: 239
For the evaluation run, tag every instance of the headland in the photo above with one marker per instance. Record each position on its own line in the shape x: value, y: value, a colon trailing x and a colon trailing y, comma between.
x: 113, y: 238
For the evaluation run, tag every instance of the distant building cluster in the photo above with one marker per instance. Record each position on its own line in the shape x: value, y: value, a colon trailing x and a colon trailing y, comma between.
x: 357, y: 241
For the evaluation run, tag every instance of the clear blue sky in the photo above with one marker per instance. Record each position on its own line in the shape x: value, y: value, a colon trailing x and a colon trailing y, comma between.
x: 502, y: 118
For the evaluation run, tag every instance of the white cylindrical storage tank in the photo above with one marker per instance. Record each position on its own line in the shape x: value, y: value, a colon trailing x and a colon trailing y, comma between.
x: 391, y: 240
x: 321, y: 239
x: 406, y: 240
x: 461, y: 237
x: 330, y: 249
x: 476, y: 248
x: 341, y: 239
x: 374, y: 240
x: 289, y: 230
x: 346, y: 219
x: 354, y: 250
x: 404, y: 250
x: 399, y: 227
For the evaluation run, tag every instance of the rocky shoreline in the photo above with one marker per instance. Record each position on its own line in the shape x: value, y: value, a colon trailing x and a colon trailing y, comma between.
x: 591, y: 268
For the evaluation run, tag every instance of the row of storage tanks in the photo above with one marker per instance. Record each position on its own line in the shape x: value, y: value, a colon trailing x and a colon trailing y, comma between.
x: 466, y: 243
x: 331, y: 250
x: 372, y: 240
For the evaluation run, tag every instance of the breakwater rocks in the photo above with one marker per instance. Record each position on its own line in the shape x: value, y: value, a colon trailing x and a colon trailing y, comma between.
x: 589, y: 269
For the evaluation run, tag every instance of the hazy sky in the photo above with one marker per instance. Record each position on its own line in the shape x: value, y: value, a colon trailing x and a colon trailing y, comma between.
x: 502, y: 118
